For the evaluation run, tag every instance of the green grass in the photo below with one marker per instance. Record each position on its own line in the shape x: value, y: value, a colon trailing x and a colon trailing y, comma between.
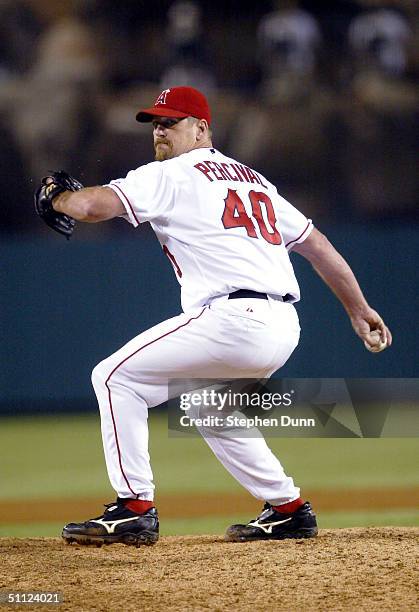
x: 63, y: 457
x: 51, y: 457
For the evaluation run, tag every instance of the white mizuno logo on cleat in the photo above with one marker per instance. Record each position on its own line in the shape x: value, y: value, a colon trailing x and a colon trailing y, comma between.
x: 110, y: 526
x: 267, y: 527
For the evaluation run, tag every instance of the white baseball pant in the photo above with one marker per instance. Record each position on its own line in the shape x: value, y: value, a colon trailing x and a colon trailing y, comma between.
x: 241, y: 338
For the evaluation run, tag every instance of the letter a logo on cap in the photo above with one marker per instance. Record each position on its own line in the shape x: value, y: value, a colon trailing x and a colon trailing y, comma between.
x: 162, y: 97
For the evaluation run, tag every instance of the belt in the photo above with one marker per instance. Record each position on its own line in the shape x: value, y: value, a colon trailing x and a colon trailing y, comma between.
x: 248, y: 293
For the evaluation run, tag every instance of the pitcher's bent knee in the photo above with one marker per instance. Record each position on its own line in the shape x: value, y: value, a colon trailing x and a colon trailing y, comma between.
x: 100, y: 374
x: 109, y: 371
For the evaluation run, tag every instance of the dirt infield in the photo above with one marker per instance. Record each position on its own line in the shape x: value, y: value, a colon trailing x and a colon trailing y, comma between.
x: 348, y: 569
x: 208, y: 504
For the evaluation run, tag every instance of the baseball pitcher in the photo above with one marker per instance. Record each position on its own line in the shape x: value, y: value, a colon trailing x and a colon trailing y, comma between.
x: 228, y: 234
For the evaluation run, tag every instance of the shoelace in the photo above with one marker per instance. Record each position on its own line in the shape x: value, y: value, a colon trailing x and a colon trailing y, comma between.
x: 111, y: 504
x: 101, y: 515
x: 265, y: 507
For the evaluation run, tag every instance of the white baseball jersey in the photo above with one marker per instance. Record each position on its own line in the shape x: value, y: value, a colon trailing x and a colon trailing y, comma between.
x: 223, y: 226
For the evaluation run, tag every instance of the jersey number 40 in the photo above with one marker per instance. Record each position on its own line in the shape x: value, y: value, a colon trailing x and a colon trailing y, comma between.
x: 235, y: 215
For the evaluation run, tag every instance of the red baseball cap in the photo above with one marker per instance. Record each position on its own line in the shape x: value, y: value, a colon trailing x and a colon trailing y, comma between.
x: 177, y: 102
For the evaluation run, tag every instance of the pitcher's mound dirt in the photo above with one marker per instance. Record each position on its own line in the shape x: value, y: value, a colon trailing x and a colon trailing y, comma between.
x: 347, y: 569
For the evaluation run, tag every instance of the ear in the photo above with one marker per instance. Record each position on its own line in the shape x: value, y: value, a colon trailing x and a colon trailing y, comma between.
x: 202, y: 128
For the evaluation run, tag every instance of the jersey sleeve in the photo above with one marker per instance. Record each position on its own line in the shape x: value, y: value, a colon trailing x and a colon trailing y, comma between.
x: 294, y: 226
x: 146, y: 193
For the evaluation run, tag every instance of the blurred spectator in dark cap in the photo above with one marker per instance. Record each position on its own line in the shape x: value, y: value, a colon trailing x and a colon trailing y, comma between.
x: 381, y: 116
x: 289, y: 39
x: 379, y: 40
x: 187, y: 56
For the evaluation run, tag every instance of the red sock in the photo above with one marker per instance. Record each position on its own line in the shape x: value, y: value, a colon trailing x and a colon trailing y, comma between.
x: 138, y: 505
x: 290, y: 506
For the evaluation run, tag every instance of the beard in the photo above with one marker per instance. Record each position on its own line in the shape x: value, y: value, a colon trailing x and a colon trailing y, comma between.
x: 162, y: 153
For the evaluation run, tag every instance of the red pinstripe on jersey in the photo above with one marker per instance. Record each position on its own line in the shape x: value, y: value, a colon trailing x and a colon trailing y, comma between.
x: 110, y: 393
x: 126, y: 200
x: 300, y: 236
x: 172, y: 259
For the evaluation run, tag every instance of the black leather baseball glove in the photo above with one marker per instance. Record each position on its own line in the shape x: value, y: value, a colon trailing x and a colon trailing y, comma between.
x: 44, y: 195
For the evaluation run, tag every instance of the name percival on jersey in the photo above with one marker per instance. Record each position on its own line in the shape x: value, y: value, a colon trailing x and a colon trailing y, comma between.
x: 222, y: 225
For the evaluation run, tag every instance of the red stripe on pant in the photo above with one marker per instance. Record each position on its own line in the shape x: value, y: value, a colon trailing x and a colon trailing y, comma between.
x: 110, y: 395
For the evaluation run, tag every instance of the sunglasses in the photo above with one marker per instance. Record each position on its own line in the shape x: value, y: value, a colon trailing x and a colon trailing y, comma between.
x: 166, y: 122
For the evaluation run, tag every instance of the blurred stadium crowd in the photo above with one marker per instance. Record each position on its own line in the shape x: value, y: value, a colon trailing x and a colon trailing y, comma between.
x: 322, y: 97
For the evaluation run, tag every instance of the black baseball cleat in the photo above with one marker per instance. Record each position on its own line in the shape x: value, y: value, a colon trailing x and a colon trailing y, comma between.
x: 273, y: 525
x: 117, y: 524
